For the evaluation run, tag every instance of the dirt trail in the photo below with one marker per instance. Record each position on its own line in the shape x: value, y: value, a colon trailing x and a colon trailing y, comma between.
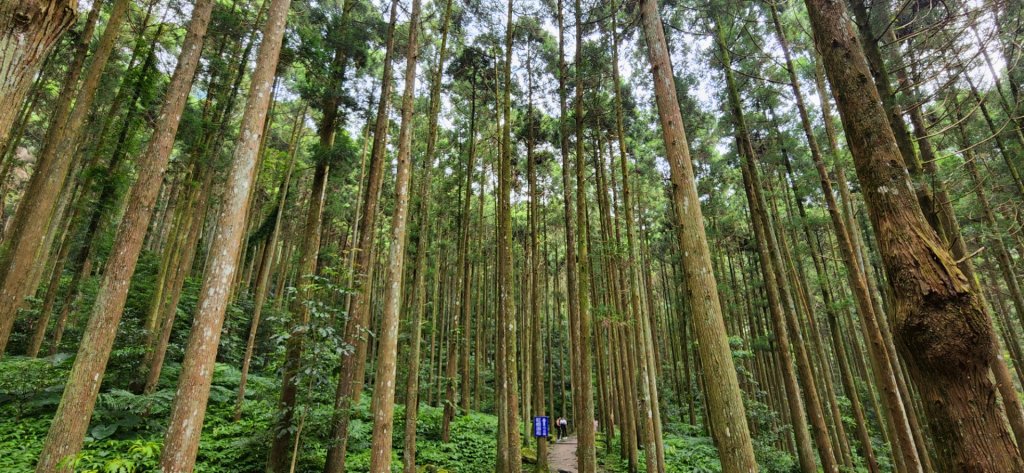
x: 562, y: 456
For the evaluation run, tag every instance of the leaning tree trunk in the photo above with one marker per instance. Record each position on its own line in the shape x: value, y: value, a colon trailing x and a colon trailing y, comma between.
x: 940, y: 325
x: 263, y: 276
x: 30, y: 29
x: 32, y: 218
x: 186, y: 423
x: 67, y: 432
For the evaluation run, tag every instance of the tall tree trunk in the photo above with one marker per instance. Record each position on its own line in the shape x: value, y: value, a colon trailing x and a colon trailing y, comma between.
x: 509, y: 443
x: 732, y: 436
x: 67, y: 431
x: 812, y: 143
x: 30, y: 31
x: 943, y: 332
x: 536, y: 352
x: 583, y: 396
x: 463, y: 281
x: 189, y: 409
x: 1007, y: 390
x: 350, y: 381
x: 383, y: 402
x: 263, y: 278
x: 53, y: 165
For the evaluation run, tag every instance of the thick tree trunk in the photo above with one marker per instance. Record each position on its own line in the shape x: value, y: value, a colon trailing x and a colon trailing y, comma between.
x: 732, y: 436
x: 942, y: 329
x: 30, y: 31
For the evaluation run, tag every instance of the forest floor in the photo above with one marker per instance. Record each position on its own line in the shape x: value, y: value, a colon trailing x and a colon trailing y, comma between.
x: 562, y: 456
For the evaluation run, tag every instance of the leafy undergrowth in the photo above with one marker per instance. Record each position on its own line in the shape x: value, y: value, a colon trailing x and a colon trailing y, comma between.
x: 126, y: 431
x: 688, y: 450
x: 689, y: 454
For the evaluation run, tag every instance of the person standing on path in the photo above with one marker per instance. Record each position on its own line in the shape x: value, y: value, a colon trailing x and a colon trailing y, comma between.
x: 562, y: 428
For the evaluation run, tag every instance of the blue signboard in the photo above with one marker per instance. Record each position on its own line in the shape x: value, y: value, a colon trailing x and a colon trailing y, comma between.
x: 541, y: 426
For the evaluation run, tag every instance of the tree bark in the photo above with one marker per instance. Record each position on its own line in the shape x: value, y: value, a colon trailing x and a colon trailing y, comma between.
x: 30, y: 29
x: 185, y: 425
x: 812, y: 144
x: 583, y: 389
x: 509, y: 443
x: 71, y: 420
x: 263, y: 278
x: 732, y: 436
x: 941, y: 328
x: 350, y: 381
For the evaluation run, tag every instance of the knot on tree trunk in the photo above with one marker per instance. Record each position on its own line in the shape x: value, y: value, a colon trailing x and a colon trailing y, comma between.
x: 946, y: 334
x: 25, y: 12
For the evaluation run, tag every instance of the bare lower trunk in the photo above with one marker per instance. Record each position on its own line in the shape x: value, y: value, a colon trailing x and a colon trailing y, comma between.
x: 731, y: 435
x: 412, y: 388
x: 383, y: 402
x: 509, y: 442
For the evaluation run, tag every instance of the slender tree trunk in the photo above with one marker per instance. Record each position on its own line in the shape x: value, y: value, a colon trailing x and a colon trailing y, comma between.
x: 185, y: 425
x: 383, y: 402
x: 509, y: 444
x: 463, y: 280
x: 812, y: 143
x: 582, y: 391
x: 536, y: 352
x: 1005, y: 384
x: 732, y: 436
x: 263, y: 278
x: 350, y: 382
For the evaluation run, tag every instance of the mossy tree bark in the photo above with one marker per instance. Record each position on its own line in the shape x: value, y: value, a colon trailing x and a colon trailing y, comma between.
x: 940, y: 325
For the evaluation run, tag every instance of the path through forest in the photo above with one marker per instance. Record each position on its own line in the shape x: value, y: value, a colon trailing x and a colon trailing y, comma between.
x: 562, y: 455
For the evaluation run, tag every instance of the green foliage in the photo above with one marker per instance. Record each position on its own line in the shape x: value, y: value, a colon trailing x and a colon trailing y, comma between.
x: 31, y: 384
x: 472, y: 447
x: 116, y: 457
